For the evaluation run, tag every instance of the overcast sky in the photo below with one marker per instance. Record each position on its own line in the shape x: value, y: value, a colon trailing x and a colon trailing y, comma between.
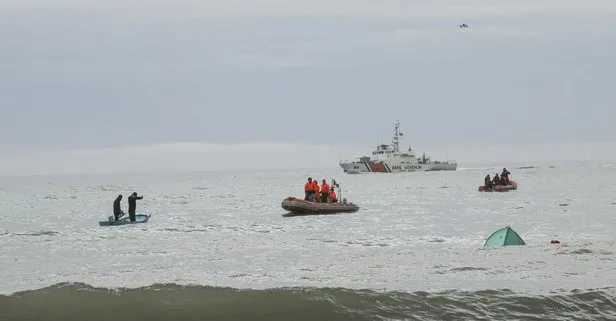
x: 86, y: 82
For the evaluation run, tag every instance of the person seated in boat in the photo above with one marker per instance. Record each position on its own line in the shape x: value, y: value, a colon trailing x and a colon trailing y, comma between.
x: 502, y: 181
x: 309, y: 190
x: 495, y: 180
x: 317, y: 191
x: 324, y: 191
x: 117, y: 208
x: 332, y: 197
x: 487, y: 181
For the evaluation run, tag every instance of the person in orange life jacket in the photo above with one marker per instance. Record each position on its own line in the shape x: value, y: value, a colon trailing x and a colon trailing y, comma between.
x: 316, y: 191
x: 324, y: 191
x: 332, y: 196
x: 309, y: 190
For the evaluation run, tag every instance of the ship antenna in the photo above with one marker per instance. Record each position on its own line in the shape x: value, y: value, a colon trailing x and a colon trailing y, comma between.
x: 394, y: 140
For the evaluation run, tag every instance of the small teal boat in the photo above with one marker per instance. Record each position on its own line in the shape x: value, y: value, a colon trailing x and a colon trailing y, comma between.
x: 504, y: 237
x: 139, y: 218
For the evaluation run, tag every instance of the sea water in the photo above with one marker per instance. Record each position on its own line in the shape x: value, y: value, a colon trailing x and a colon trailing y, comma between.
x: 218, y: 247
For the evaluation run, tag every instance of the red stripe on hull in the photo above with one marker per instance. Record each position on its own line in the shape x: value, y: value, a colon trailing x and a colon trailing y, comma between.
x: 378, y: 167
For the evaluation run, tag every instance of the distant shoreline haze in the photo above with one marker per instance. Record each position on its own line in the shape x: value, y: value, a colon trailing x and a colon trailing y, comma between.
x: 269, y: 156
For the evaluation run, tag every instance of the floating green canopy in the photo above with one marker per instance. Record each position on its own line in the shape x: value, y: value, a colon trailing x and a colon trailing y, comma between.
x: 503, y: 237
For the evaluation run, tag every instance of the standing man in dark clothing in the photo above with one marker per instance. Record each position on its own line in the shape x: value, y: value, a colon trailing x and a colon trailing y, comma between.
x: 117, y: 209
x: 132, y: 205
x: 505, y: 173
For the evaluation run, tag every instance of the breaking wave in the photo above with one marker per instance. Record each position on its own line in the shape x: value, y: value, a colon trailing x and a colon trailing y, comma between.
x: 78, y: 301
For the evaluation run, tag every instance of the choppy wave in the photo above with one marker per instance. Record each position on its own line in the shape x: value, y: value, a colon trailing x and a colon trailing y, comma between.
x: 77, y: 301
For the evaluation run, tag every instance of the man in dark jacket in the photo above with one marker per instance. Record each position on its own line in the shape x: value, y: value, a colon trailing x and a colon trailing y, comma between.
x: 132, y: 205
x: 505, y: 173
x: 117, y: 209
x: 488, y: 181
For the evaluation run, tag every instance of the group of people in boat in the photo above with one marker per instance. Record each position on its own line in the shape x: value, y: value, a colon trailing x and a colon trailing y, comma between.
x: 132, y: 206
x: 502, y: 180
x: 320, y: 194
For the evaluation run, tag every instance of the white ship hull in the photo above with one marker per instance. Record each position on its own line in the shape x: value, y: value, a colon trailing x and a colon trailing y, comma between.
x: 391, y: 167
x: 389, y: 159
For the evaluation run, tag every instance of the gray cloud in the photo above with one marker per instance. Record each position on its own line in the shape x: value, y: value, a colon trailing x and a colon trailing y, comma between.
x: 114, y: 74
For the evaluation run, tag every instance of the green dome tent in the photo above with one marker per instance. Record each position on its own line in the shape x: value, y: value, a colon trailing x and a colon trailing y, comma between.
x: 504, y: 237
